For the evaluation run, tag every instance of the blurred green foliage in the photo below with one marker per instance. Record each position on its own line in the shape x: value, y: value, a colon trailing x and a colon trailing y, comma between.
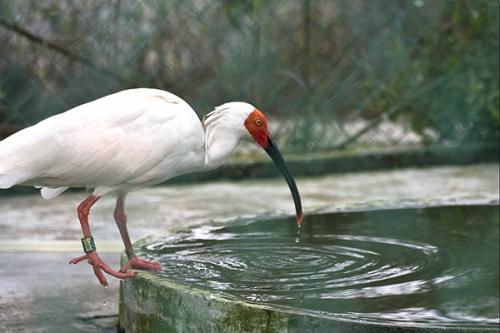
x: 330, y: 72
x: 450, y: 90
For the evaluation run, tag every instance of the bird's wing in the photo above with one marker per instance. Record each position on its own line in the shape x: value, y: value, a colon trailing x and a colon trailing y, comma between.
x: 102, y: 143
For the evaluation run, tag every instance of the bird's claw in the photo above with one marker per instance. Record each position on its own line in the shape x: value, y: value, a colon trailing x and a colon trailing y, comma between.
x: 138, y: 263
x: 99, y: 266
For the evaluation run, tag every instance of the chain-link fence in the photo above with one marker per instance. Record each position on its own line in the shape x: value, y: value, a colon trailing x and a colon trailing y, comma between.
x: 329, y: 73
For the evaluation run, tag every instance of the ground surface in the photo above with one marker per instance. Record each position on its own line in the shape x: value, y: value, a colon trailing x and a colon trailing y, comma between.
x: 40, y: 292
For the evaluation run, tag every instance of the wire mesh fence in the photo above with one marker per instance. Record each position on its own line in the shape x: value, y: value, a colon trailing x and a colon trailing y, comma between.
x: 330, y: 73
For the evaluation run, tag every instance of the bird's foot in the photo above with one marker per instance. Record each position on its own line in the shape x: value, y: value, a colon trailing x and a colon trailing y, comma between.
x: 99, y: 266
x: 138, y: 263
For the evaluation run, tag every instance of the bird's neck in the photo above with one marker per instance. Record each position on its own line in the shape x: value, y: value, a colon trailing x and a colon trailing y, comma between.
x: 221, y: 139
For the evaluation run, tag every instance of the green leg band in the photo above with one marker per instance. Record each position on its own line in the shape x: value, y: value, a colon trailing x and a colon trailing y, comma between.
x: 88, y: 244
x: 130, y: 253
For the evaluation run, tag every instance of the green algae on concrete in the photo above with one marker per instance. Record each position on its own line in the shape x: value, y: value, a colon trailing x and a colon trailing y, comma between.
x: 152, y: 304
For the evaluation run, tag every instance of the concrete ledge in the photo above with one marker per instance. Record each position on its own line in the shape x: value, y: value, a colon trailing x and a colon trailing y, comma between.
x: 316, y: 164
x: 152, y: 304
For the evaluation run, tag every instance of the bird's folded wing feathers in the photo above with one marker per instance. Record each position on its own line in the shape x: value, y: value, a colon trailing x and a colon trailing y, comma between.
x: 105, y: 142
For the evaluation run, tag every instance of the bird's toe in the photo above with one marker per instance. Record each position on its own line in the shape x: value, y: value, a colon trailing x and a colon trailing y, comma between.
x: 138, y: 263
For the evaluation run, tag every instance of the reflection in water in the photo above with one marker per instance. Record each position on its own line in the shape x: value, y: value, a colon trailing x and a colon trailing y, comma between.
x: 417, y: 267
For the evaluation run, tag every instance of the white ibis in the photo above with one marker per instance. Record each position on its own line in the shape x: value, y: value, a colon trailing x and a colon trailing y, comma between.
x: 127, y: 140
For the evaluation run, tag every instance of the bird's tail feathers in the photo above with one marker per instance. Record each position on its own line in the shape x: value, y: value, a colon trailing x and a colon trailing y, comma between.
x: 50, y: 193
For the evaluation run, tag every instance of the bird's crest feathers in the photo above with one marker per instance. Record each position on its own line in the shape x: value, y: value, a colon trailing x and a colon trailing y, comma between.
x: 224, y: 127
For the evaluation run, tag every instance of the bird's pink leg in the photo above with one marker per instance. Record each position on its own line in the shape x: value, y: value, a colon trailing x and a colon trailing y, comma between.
x: 133, y: 260
x: 92, y: 257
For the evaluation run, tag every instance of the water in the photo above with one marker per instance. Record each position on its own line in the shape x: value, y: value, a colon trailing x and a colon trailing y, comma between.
x: 433, y: 267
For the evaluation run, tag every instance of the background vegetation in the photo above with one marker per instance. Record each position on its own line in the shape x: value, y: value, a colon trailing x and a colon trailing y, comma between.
x: 331, y: 72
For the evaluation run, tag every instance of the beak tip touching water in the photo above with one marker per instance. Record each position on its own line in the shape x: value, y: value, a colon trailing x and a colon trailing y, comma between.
x: 273, y: 151
x: 300, y: 219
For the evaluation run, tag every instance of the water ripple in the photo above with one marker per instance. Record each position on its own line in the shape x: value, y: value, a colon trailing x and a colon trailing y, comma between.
x: 388, y: 273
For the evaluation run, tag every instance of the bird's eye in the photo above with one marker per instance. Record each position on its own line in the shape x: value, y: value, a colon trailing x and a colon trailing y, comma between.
x: 258, y: 122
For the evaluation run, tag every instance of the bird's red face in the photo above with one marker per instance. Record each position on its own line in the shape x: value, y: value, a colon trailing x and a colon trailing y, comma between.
x: 256, y: 124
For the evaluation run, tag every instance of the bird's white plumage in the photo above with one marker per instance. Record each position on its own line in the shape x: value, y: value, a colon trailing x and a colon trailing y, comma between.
x: 129, y: 139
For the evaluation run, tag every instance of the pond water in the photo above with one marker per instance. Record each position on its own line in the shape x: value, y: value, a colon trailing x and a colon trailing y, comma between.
x: 428, y: 267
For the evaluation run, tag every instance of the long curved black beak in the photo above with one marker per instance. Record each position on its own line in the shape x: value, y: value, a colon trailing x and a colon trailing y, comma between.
x: 275, y: 154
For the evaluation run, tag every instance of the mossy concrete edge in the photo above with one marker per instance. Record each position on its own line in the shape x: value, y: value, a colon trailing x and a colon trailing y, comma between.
x: 149, y: 303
